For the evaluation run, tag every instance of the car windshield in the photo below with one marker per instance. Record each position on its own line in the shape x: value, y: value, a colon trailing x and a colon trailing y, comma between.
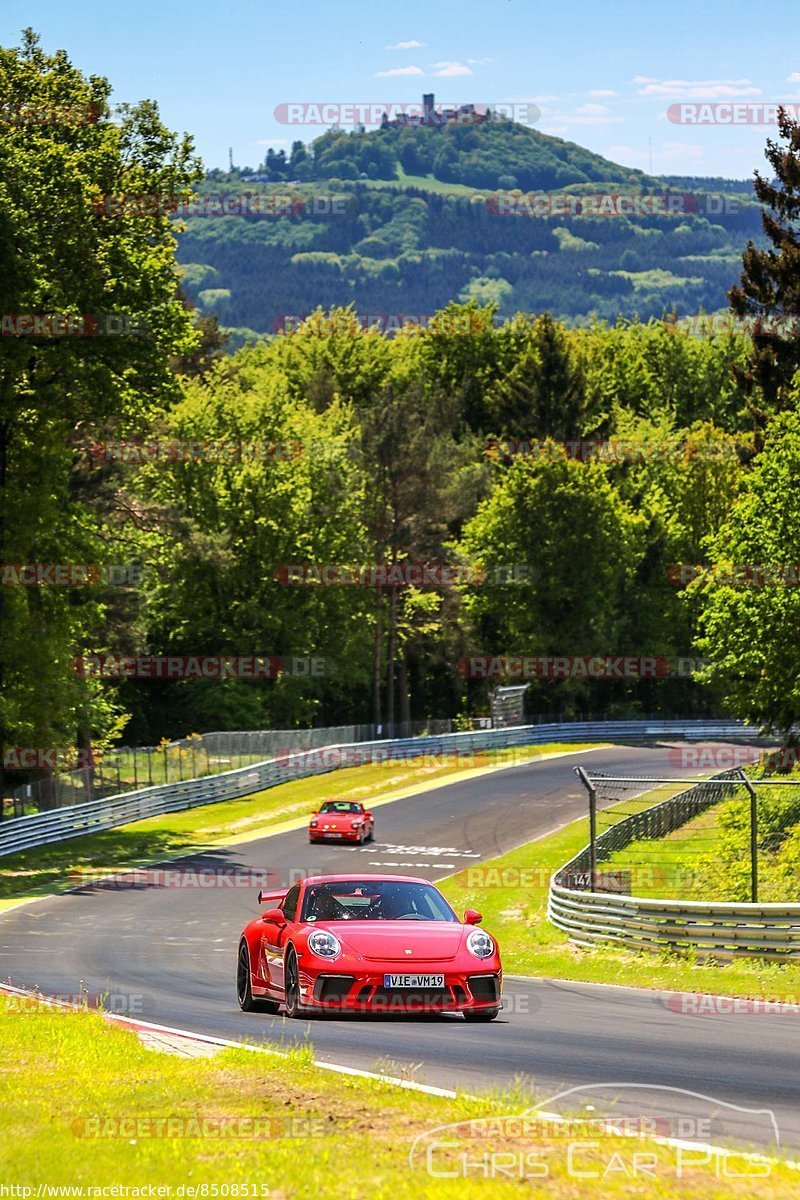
x: 375, y: 900
x: 340, y: 806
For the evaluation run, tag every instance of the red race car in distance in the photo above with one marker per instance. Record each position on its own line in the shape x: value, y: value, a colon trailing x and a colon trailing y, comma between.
x: 341, y: 820
x: 367, y: 944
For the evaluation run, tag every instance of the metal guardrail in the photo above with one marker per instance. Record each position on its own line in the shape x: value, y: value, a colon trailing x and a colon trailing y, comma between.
x: 23, y: 833
x: 722, y: 929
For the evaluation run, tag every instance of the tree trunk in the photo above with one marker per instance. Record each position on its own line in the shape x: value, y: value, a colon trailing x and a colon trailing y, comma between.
x: 405, y: 698
x: 376, y: 663
x: 390, y: 655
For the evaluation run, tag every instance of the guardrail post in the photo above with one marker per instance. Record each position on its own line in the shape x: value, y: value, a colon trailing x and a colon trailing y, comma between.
x: 587, y: 783
x: 753, y: 836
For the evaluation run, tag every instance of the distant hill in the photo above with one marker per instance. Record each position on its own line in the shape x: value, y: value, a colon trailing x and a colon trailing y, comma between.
x: 403, y: 220
x: 500, y: 154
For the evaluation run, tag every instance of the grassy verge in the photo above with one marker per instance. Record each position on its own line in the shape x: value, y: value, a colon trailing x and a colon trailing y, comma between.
x: 47, y: 868
x: 85, y: 1105
x: 512, y: 891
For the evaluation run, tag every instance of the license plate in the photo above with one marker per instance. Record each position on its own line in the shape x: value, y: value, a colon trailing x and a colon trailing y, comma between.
x: 413, y: 981
x: 332, y: 834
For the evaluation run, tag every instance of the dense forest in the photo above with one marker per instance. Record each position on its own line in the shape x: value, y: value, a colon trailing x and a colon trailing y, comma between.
x: 393, y: 523
x: 402, y: 221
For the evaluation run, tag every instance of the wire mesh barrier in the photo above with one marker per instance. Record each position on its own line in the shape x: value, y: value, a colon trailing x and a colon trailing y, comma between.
x: 715, y: 866
x: 127, y: 768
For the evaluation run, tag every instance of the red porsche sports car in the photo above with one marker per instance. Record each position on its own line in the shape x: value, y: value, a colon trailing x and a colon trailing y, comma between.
x: 341, y: 820
x: 367, y: 943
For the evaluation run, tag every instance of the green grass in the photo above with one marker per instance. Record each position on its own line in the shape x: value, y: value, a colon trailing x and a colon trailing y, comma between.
x: 670, y: 868
x: 84, y: 1103
x: 426, y: 183
x: 49, y: 868
x: 512, y: 891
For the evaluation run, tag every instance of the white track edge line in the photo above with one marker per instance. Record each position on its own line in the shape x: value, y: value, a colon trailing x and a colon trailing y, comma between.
x: 409, y: 1084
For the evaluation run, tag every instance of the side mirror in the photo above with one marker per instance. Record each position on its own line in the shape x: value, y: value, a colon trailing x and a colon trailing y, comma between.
x: 315, y: 813
x: 274, y: 916
x: 472, y: 917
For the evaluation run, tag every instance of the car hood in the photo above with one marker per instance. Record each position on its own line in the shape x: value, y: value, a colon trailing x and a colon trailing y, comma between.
x: 336, y: 820
x: 389, y: 941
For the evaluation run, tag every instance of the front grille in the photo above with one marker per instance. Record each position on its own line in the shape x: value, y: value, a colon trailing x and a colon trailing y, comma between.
x: 333, y: 987
x: 399, y: 998
x: 484, y: 987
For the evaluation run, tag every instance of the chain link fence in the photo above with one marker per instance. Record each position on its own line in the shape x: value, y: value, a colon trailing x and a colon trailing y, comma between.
x: 128, y: 768
x: 733, y: 838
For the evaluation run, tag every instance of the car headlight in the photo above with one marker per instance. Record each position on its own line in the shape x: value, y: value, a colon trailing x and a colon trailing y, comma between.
x: 312, y: 824
x: 356, y: 824
x: 480, y: 944
x: 324, y: 944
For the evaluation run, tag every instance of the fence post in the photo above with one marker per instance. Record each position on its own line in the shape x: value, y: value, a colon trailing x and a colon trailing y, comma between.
x: 753, y: 836
x: 587, y: 783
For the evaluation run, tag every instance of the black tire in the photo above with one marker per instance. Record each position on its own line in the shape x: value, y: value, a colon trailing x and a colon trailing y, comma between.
x: 371, y: 835
x: 244, y: 991
x: 292, y: 985
x: 481, y: 1014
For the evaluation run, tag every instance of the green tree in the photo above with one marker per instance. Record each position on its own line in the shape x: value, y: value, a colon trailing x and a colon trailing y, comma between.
x: 67, y: 249
x: 750, y: 599
x: 563, y: 521
x: 768, y: 294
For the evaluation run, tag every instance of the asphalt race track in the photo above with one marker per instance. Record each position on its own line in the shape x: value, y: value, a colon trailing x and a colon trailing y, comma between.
x: 168, y: 954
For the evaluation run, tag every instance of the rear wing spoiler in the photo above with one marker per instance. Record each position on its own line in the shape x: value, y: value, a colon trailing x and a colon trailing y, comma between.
x: 272, y: 898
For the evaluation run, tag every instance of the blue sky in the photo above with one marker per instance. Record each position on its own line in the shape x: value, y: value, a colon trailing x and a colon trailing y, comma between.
x: 602, y: 75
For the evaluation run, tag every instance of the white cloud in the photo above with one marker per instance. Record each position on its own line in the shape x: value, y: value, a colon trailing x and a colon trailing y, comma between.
x: 794, y: 77
x: 399, y: 71
x: 272, y: 142
x: 644, y: 79
x: 479, y: 62
x: 446, y: 70
x: 412, y: 45
x: 699, y: 89
x: 593, y: 110
x: 601, y: 92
